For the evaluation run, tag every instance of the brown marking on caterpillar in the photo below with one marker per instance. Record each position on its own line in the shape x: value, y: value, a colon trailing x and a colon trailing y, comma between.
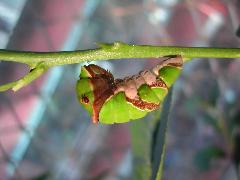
x: 172, y: 61
x: 103, y: 87
x: 139, y: 103
x: 96, y: 71
x: 159, y: 83
x: 149, y: 77
x: 131, y: 89
x: 98, y: 103
x: 139, y: 80
x: 176, y: 64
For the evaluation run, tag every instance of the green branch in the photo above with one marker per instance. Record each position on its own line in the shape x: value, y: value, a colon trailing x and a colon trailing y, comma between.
x: 27, y: 79
x: 41, y: 61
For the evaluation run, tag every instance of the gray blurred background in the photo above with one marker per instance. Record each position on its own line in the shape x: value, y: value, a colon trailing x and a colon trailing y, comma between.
x: 45, y: 133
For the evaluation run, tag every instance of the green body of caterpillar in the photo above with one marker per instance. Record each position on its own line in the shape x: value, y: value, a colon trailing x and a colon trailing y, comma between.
x: 117, y: 101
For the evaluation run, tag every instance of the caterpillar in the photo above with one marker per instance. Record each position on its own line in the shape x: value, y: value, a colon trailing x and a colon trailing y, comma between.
x: 110, y: 100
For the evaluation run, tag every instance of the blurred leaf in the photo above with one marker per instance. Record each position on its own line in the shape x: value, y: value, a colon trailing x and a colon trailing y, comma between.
x: 236, y: 149
x: 234, y: 118
x: 191, y: 104
x: 43, y: 176
x: 158, y: 145
x: 204, y: 156
x: 206, y: 111
x: 213, y: 93
x: 238, y: 31
x: 141, y: 133
x: 210, y: 120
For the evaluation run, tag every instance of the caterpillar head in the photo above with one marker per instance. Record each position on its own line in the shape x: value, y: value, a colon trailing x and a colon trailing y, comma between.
x: 93, y: 88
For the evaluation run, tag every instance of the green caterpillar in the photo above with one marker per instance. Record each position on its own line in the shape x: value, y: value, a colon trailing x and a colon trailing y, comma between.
x: 117, y: 101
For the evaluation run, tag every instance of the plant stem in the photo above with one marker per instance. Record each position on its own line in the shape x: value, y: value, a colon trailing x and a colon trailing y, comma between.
x: 115, y: 51
x: 39, y: 62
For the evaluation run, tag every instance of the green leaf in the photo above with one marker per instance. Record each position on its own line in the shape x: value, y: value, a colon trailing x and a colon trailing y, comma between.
x: 212, y: 121
x: 204, y: 156
x: 141, y: 133
x: 158, y: 145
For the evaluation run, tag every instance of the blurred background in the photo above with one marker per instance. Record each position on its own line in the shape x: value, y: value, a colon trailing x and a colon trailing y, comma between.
x: 45, y: 133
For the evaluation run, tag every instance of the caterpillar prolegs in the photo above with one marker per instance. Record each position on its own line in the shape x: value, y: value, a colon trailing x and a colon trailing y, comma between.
x: 110, y: 100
